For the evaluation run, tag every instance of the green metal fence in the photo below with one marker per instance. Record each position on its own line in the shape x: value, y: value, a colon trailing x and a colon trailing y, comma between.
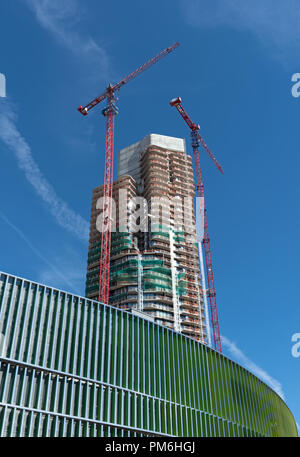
x: 70, y: 366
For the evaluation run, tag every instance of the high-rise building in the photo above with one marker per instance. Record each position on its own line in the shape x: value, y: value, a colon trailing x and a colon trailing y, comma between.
x: 154, y: 253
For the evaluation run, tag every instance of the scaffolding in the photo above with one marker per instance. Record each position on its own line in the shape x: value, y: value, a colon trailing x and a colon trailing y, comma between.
x: 157, y: 271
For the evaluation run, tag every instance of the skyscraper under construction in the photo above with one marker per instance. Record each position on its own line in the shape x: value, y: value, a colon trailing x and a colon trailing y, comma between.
x: 154, y: 265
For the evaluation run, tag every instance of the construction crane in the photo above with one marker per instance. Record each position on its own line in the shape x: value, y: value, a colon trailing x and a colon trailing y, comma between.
x: 198, y: 141
x: 109, y: 112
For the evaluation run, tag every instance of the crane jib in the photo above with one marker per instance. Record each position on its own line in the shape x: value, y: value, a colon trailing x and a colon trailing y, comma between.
x: 112, y: 88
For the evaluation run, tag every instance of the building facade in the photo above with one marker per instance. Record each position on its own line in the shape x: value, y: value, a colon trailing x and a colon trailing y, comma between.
x: 156, y: 268
x: 70, y: 366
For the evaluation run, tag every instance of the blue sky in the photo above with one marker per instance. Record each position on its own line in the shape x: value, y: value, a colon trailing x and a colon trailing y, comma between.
x: 233, y: 71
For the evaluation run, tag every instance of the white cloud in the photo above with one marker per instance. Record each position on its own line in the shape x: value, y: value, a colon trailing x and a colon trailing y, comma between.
x: 55, y: 272
x: 251, y: 366
x: 61, y: 18
x: 63, y: 215
x: 274, y: 22
x: 72, y: 264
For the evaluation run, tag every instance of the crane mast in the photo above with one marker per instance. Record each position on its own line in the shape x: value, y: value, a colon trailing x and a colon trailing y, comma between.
x: 109, y: 112
x: 198, y: 141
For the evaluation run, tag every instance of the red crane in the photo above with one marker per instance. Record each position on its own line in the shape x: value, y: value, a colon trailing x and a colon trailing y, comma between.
x: 198, y: 141
x: 109, y: 112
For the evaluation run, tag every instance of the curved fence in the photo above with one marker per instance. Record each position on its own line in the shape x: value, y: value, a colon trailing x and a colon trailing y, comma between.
x: 70, y: 366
